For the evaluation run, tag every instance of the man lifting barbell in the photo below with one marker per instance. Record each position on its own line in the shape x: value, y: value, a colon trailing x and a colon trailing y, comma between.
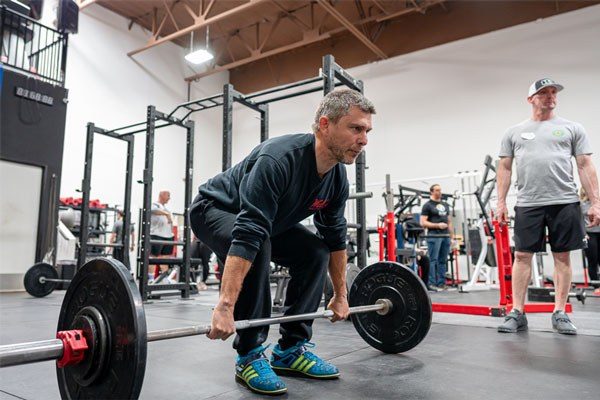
x: 250, y: 215
x: 101, y: 343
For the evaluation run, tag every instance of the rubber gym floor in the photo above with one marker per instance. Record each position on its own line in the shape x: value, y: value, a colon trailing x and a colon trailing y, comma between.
x: 463, y: 357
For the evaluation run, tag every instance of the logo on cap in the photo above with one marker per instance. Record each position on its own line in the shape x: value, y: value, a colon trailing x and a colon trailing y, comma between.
x: 544, y: 82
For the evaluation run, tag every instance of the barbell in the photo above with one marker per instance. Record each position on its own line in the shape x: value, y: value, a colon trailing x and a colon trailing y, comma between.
x: 102, y: 339
x: 581, y: 295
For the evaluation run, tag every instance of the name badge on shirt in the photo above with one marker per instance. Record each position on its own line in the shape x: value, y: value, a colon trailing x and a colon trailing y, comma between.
x: 528, y: 135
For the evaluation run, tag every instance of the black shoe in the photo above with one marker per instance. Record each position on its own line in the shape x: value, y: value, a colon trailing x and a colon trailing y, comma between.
x: 562, y: 324
x: 432, y: 289
x: 513, y: 322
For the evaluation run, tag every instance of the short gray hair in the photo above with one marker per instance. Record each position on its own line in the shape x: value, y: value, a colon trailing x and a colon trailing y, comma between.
x: 337, y: 103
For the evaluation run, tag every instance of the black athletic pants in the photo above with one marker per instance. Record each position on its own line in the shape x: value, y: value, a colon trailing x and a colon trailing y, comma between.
x: 424, y: 263
x: 306, y: 256
x: 203, y: 252
x: 593, y: 255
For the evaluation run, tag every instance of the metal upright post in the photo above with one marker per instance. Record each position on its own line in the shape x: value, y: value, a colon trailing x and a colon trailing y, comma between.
x: 187, y: 240
x: 264, y: 122
x: 361, y: 216
x: 227, y: 125
x: 127, y: 202
x: 330, y: 71
x: 147, y: 207
x: 85, y: 193
x: 328, y: 74
x: 465, y: 227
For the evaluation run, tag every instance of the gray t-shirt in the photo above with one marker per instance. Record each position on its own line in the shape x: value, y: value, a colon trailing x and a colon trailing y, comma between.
x: 118, y: 229
x: 159, y: 224
x: 543, y: 151
x: 585, y: 207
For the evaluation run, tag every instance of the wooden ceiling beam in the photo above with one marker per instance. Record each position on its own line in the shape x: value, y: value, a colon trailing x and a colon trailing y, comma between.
x: 84, y: 3
x: 154, y: 41
x: 283, y: 49
x: 420, y: 8
x: 380, y: 6
x: 169, y: 8
x: 291, y: 16
x: 187, y: 7
x: 208, y: 8
x: 308, y: 39
x: 348, y: 25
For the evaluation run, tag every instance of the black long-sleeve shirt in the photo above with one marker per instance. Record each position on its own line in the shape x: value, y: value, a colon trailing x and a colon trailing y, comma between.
x: 274, y: 188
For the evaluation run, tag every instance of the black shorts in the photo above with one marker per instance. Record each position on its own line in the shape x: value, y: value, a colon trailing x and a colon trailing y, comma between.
x: 161, y: 249
x: 564, y: 223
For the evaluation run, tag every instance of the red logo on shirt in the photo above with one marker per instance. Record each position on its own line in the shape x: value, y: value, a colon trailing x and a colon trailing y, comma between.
x: 319, y: 204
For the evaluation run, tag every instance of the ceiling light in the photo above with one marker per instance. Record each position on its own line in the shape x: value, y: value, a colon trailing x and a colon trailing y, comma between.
x: 199, y: 56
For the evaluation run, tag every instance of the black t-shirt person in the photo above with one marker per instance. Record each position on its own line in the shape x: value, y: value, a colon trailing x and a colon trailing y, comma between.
x: 436, y: 212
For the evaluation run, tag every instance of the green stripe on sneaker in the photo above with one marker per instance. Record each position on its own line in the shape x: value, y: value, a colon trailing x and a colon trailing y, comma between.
x: 298, y: 360
x: 302, y: 365
x: 309, y: 366
x: 254, y: 375
x: 247, y: 372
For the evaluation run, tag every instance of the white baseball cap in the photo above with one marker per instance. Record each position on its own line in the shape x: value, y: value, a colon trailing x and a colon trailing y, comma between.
x: 542, y: 83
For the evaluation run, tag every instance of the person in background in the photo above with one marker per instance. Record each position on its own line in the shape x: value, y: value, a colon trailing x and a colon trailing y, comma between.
x: 116, y: 237
x: 435, y: 217
x: 161, y: 228
x: 203, y: 252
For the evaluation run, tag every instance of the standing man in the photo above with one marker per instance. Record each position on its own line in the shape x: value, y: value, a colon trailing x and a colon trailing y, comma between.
x: 161, y: 228
x: 435, y: 217
x: 542, y: 147
x: 250, y: 215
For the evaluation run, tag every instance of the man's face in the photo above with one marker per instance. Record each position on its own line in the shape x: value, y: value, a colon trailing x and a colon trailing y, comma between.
x: 544, y: 100
x: 346, y: 138
x: 436, y: 192
x: 164, y: 197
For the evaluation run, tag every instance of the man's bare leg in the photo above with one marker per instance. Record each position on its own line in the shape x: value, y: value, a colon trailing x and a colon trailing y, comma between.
x: 521, y: 276
x: 563, y: 275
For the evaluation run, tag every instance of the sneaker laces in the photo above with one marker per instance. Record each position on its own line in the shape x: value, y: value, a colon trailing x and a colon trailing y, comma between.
x: 512, y: 315
x: 259, y: 361
x: 263, y: 367
x: 305, y: 344
x: 562, y: 317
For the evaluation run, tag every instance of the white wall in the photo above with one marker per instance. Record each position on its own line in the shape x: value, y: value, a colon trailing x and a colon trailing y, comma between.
x: 441, y: 110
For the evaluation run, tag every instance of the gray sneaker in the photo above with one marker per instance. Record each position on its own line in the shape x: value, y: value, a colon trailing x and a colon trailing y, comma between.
x: 513, y: 322
x: 562, y: 324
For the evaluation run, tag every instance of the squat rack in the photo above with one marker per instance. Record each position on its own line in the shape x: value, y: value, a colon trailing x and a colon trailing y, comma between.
x: 331, y: 75
x: 126, y: 133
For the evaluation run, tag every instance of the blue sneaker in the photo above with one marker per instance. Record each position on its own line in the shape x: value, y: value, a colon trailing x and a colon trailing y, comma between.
x: 298, y: 361
x: 255, y: 372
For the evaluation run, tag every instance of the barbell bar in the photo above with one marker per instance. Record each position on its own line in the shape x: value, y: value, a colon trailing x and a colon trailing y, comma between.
x: 101, y: 343
x: 580, y: 295
x: 360, y: 195
x: 54, y: 349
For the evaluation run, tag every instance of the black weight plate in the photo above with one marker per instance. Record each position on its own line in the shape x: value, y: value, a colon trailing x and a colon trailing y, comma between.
x: 32, y: 283
x: 409, y: 321
x: 106, y: 286
x: 351, y: 271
